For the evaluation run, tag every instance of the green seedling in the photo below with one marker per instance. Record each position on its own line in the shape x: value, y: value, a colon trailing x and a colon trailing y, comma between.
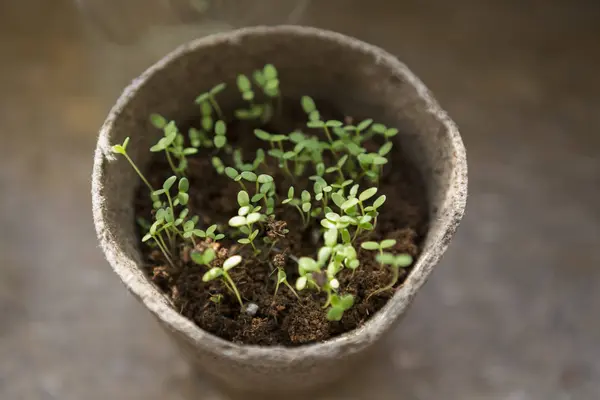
x: 282, y: 278
x: 223, y: 274
x: 166, y: 143
x: 209, y: 98
x: 122, y: 149
x: 220, y: 140
x: 247, y: 217
x: 379, y: 246
x: 339, y: 304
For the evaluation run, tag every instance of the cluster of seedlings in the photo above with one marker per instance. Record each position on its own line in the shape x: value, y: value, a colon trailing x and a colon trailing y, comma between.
x: 323, y: 172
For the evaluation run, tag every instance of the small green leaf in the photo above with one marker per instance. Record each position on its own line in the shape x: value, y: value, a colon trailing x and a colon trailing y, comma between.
x: 211, y: 230
x: 307, y: 264
x: 330, y: 237
x: 334, y: 124
x: 346, y: 302
x: 117, y: 148
x: 315, y: 124
x: 353, y: 264
x: 338, y: 199
x: 244, y: 241
x: 324, y: 254
x: 146, y: 237
x: 243, y: 83
x: 403, y: 260
x: 370, y: 245
x: 257, y: 197
x: 184, y: 184
x: 342, y: 161
x: 379, y: 202
x: 212, y: 274
x: 367, y: 226
x: 281, y: 276
x: 207, y: 123
x: 385, y: 149
x: 231, y: 172
x: 262, y: 135
x: 217, y: 89
x: 349, y: 204
x: 205, y: 107
x: 259, y: 78
x: 231, y: 262
x: 183, y: 198
x: 301, y: 282
x: 314, y: 116
x: 378, y: 160
x: 378, y: 128
x: 353, y: 191
x: 264, y: 178
x: 270, y: 72
x: 220, y: 128
x: 306, y: 207
x: 243, y: 211
x: 386, y: 258
x: 364, y: 125
x: 305, y: 196
x: 253, y: 218
x: 188, y: 226
x: 325, y: 223
x: 391, y: 132
x: 243, y: 198
x: 291, y: 192
x: 387, y: 243
x: 308, y: 104
x: 248, y: 96
x: 335, y: 314
x: 220, y: 141
x: 237, y: 221
x: 202, y: 98
x: 346, y: 238
x: 249, y: 176
x: 169, y: 183
x: 296, y: 137
x: 367, y: 194
x: 158, y: 121
x: 199, y: 232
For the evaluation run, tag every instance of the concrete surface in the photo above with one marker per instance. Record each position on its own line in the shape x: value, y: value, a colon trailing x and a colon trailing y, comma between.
x: 513, y: 312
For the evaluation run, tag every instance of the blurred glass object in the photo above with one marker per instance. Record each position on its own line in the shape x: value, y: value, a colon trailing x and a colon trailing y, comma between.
x: 126, y: 21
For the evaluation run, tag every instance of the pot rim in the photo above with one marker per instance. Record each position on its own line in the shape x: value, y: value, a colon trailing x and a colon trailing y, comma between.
x: 454, y: 202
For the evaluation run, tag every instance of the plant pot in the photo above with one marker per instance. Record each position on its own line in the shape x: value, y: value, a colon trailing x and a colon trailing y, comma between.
x: 354, y: 76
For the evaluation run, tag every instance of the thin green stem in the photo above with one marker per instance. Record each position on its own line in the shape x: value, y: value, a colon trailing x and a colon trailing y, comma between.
x: 286, y: 283
x: 164, y: 251
x: 358, y: 230
x: 328, y: 302
x: 215, y: 105
x: 162, y: 241
x: 237, y: 294
x: 170, y: 160
x: 138, y: 172
x: 301, y: 214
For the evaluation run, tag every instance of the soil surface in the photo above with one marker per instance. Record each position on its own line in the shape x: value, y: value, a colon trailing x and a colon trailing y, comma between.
x: 282, y: 319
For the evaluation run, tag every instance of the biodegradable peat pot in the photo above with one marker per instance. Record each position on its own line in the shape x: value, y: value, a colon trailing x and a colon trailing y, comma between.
x: 352, y: 75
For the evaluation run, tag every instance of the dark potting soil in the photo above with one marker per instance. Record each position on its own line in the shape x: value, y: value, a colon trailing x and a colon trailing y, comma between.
x: 282, y: 319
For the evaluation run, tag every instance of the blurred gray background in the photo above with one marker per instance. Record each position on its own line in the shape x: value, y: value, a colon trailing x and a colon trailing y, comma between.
x: 512, y: 311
